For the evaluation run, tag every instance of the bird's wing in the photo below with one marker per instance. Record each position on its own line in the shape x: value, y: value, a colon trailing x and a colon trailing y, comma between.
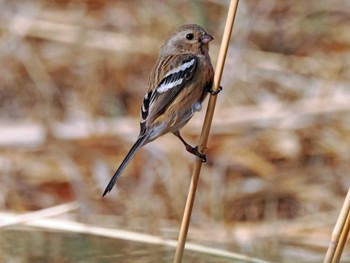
x: 169, y: 77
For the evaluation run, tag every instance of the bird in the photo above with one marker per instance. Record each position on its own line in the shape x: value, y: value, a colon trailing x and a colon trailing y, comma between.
x: 178, y: 84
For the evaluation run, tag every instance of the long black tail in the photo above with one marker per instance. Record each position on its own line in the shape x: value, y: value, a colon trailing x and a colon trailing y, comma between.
x: 137, y: 145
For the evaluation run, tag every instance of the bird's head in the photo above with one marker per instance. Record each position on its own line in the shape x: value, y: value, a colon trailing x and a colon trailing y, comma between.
x: 189, y: 38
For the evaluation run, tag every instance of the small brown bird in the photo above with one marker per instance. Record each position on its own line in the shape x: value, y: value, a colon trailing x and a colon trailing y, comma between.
x: 177, y: 86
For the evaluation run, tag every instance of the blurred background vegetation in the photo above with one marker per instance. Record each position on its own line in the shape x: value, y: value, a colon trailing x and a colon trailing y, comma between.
x: 73, y: 74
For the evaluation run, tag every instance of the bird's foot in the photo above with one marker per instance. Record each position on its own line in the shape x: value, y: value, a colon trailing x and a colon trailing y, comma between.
x: 194, y: 151
x: 214, y: 92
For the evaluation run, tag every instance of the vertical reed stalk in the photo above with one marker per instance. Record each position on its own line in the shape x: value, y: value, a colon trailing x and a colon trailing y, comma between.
x: 205, y: 131
x: 339, y: 234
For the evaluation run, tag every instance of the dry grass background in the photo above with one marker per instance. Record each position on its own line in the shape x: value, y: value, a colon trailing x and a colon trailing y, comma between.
x: 73, y: 74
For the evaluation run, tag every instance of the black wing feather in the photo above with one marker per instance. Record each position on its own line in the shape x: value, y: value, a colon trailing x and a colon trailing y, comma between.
x: 159, y: 101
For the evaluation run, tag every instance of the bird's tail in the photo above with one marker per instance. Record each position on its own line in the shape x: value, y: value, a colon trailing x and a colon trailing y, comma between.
x: 137, y: 145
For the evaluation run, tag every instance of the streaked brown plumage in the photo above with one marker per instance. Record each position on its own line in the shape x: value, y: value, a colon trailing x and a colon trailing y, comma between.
x: 177, y: 86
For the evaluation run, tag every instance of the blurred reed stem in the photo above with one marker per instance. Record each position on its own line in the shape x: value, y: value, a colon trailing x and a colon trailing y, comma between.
x: 339, y: 234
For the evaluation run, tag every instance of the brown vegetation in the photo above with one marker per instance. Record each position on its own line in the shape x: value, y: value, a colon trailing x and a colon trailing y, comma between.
x: 73, y: 74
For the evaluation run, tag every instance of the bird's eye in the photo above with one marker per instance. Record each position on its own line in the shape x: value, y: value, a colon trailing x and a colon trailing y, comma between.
x: 189, y: 36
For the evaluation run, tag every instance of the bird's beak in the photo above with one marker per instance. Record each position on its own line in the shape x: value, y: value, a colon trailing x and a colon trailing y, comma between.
x: 206, y: 38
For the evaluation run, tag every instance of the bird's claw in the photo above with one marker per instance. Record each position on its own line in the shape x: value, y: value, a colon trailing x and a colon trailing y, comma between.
x: 202, y: 156
x: 214, y: 92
